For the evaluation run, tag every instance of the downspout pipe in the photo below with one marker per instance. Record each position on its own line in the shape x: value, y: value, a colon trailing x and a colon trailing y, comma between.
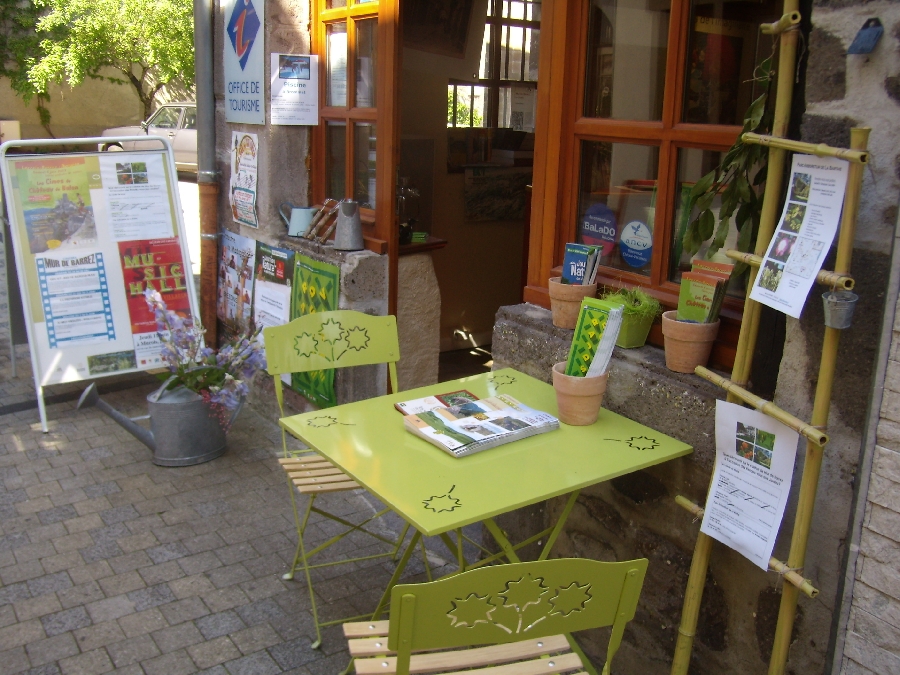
x: 207, y: 175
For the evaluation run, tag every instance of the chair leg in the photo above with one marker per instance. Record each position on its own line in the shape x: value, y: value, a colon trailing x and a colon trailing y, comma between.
x: 301, y: 529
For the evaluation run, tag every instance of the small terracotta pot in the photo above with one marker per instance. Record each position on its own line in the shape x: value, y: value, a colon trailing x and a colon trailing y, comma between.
x: 688, y: 345
x: 578, y: 398
x: 565, y: 301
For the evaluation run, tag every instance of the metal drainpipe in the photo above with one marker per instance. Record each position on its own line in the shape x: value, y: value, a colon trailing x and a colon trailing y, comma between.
x: 207, y: 175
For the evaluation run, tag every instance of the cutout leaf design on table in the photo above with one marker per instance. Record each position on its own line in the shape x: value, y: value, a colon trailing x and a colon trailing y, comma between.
x: 522, y: 605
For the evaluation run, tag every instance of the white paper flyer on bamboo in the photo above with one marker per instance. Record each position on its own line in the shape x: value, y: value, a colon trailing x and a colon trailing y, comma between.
x: 751, y: 482
x: 805, y: 232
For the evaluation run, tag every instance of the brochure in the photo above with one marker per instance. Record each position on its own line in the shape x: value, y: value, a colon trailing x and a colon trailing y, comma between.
x: 580, y: 264
x: 509, y: 420
x: 595, y: 336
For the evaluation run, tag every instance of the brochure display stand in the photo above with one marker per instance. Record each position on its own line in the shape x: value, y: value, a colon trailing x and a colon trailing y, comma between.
x: 92, y: 231
x: 814, y: 431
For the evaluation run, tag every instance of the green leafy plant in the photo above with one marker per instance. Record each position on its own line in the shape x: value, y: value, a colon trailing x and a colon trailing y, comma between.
x: 738, y: 179
x: 466, y: 115
x: 637, y: 303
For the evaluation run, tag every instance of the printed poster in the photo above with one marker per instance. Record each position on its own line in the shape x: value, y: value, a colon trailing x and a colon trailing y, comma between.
x: 751, y: 482
x: 137, y: 197
x: 295, y: 89
x: 75, y: 299
x: 243, y: 178
x: 316, y: 289
x: 272, y: 288
x: 152, y: 264
x: 809, y: 221
x: 235, y: 286
x: 244, y: 61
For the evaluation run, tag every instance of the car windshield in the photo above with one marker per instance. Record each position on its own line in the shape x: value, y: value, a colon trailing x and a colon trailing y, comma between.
x: 166, y: 118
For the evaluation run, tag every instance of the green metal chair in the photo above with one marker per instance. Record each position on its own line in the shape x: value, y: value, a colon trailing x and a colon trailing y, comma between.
x: 535, y: 605
x: 316, y: 342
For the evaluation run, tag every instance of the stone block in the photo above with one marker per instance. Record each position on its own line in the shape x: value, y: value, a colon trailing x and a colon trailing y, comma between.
x: 888, y: 433
x: 870, y: 656
x: 877, y: 537
x: 880, y: 577
x: 876, y: 603
x: 884, y: 492
x: 892, y: 382
x: 875, y: 631
x: 418, y: 321
x: 887, y: 463
x: 834, y: 131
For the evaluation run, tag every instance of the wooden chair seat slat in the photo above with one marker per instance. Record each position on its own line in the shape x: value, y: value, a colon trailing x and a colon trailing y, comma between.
x: 339, y: 477
x: 312, y: 473
x: 480, y: 657
x: 318, y: 488
x: 359, y: 629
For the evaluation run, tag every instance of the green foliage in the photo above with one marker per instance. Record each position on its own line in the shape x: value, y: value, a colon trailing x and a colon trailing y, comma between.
x: 150, y: 42
x: 19, y: 45
x: 466, y: 115
x: 738, y: 179
x: 637, y: 303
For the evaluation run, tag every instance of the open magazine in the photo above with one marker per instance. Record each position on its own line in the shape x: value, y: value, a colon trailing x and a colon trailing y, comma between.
x: 469, y: 425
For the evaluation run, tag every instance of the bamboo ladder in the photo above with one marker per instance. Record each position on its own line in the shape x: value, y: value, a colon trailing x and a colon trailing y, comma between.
x: 814, y: 432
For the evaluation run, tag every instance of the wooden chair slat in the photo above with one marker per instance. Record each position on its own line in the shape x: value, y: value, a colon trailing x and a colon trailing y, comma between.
x: 339, y: 477
x: 310, y: 473
x: 564, y: 663
x: 318, y: 488
x: 359, y: 629
x: 477, y: 657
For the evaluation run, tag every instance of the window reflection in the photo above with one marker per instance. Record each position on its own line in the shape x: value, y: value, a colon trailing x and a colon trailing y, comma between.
x: 364, y: 184
x: 617, y: 203
x: 335, y: 160
x: 626, y: 59
x: 366, y: 62
x: 336, y: 71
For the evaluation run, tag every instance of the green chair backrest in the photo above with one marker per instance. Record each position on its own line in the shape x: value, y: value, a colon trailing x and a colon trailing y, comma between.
x: 331, y: 340
x: 508, y: 603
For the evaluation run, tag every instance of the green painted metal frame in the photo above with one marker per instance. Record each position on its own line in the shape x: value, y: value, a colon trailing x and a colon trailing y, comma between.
x: 519, y: 603
x: 335, y: 339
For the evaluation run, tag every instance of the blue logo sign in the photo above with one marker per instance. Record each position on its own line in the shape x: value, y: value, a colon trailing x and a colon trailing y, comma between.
x: 598, y: 228
x: 636, y: 244
x: 242, y: 29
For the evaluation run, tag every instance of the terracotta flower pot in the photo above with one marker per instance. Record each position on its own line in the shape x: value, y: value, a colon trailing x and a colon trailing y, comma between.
x: 565, y: 301
x: 578, y: 398
x: 688, y: 345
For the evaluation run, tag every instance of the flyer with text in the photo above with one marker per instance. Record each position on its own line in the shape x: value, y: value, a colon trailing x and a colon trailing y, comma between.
x: 751, y: 481
x: 295, y: 89
x: 809, y: 221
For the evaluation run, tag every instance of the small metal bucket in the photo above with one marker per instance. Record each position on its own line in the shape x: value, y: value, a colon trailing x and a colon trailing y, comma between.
x: 839, y: 306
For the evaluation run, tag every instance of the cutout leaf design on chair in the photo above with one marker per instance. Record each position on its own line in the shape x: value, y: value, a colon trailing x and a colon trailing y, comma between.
x: 332, y: 341
x: 523, y: 604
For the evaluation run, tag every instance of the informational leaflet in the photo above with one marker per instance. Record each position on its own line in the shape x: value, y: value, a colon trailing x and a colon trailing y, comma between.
x: 244, y: 148
x: 805, y: 232
x: 521, y: 117
x: 75, y: 299
x: 272, y: 288
x: 295, y: 89
x: 751, y: 482
x: 235, y: 286
x: 137, y: 197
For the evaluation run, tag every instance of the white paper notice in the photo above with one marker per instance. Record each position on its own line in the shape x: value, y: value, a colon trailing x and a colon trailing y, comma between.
x: 271, y: 304
x: 295, y: 89
x: 522, y: 108
x: 137, y: 197
x: 808, y: 224
x: 751, y: 482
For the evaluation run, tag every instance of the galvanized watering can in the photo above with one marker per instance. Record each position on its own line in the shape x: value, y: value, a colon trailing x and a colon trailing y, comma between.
x: 183, y: 430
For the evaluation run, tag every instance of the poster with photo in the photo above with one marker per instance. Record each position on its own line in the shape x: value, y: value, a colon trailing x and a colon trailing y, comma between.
x: 234, y: 305
x: 806, y: 230
x: 244, y: 148
x: 751, y: 481
x: 136, y: 194
x: 295, y: 88
x: 272, y: 287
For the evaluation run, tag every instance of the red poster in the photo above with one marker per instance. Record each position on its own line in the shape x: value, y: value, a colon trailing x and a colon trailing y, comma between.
x: 156, y: 264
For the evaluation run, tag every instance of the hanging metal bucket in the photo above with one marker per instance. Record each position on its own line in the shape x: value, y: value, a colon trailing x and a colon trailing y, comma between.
x: 839, y: 306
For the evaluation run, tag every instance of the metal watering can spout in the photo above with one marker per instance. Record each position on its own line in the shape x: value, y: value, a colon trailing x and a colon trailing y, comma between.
x: 90, y: 397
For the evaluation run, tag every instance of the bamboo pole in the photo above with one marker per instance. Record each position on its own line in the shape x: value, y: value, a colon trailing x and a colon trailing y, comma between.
x: 812, y: 467
x: 817, y: 149
x: 831, y: 279
x: 775, y: 565
x: 787, y: 61
x: 815, y: 435
x: 788, y: 20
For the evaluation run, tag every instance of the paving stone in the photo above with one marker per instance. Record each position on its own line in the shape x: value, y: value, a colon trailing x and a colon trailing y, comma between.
x: 58, y: 514
x: 21, y: 633
x: 32, y: 552
x: 260, y: 612
x: 294, y: 653
x: 133, y: 650
x: 176, y: 663
x: 201, y: 562
x: 122, y: 583
x: 16, y: 660
x: 50, y: 583
x: 14, y: 592
x: 159, y: 574
x: 90, y: 572
x: 138, y: 542
x: 219, y: 624
x: 89, y: 663
x: 65, y: 621
x: 177, y: 637
x: 121, y: 514
x: 20, y: 572
x: 152, y: 596
x: 184, y: 610
x: 186, y: 587
x: 102, y: 489
x: 213, y: 652
x: 100, y: 635
x: 82, y: 594
x: 37, y: 607
x: 259, y: 663
x: 102, y: 551
x: 224, y: 598
x: 51, y: 649
x: 166, y: 552
x: 111, y: 608
x: 255, y: 638
x: 63, y: 561
x: 227, y: 576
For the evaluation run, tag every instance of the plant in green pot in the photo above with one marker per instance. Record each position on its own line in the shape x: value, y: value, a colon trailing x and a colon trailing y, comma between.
x: 640, y: 310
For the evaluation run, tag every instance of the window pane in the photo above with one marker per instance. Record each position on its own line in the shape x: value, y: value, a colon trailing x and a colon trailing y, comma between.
x: 692, y: 165
x: 626, y: 59
x: 484, y: 66
x: 725, y: 46
x: 336, y: 75
x: 190, y: 118
x: 166, y: 118
x: 515, y: 9
x: 466, y: 105
x: 366, y: 62
x: 364, y: 183
x: 335, y: 160
x: 334, y: 4
x: 616, y: 203
x: 519, y: 53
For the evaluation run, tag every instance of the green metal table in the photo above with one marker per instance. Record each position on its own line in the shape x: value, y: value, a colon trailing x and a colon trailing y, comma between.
x: 438, y: 493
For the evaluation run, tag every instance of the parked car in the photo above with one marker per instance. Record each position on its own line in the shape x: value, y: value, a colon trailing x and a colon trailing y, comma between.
x: 176, y: 121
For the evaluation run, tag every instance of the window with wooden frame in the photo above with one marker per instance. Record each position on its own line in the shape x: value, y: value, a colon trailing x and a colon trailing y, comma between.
x: 508, y: 67
x: 648, y: 95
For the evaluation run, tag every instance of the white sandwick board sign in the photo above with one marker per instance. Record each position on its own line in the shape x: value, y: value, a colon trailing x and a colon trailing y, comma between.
x: 91, y: 232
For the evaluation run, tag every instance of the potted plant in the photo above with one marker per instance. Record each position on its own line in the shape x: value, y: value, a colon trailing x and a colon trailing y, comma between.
x: 639, y: 312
